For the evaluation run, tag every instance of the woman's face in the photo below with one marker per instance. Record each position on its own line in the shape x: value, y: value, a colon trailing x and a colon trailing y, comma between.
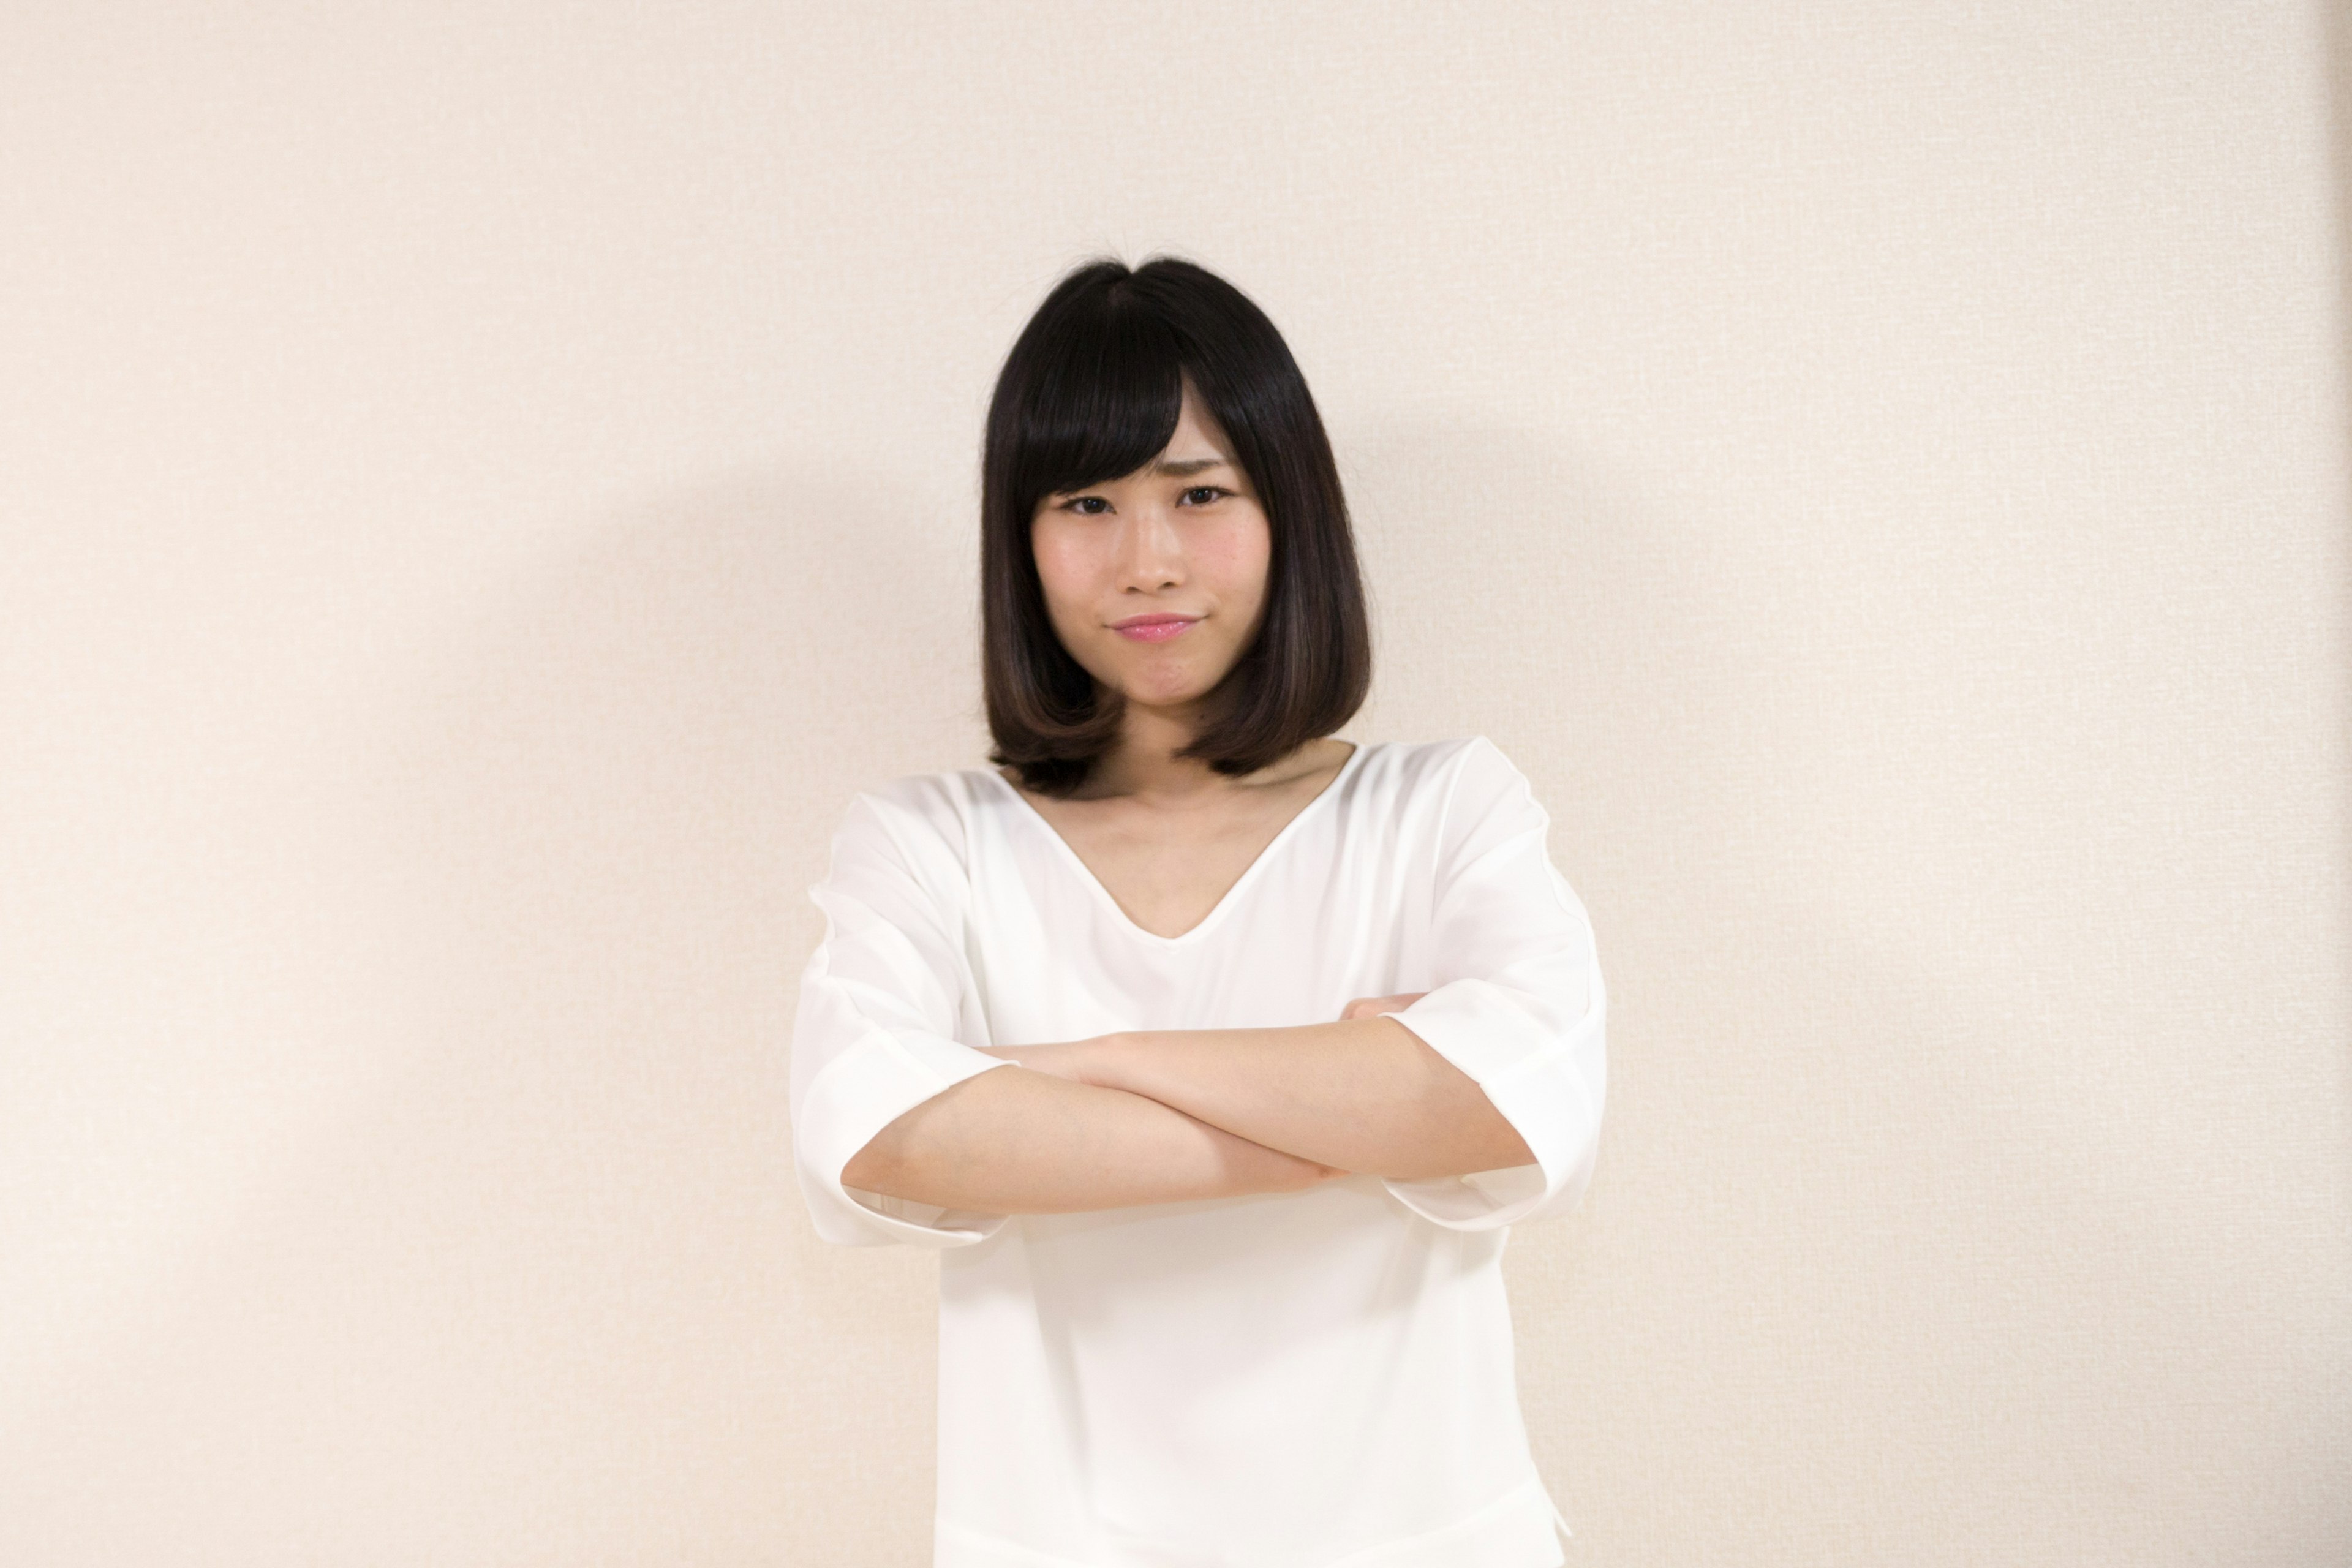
x: 1182, y: 540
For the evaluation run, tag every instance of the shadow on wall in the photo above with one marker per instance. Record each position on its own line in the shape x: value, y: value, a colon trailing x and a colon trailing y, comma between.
x: 1829, y: 814
x: 596, y: 811
x: 618, y: 766
x: 1657, y: 673
x: 2336, y: 19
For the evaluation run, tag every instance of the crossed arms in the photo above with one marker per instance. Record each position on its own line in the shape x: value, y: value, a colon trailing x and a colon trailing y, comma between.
x: 1162, y: 1116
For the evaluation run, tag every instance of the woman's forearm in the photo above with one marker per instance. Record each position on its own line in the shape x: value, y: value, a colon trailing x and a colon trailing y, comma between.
x: 1019, y: 1142
x: 1362, y: 1094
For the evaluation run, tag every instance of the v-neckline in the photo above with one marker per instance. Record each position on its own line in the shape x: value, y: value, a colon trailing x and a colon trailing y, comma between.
x: 1232, y: 895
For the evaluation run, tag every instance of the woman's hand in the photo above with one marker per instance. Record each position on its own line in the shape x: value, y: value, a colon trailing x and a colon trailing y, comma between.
x: 1373, y: 1007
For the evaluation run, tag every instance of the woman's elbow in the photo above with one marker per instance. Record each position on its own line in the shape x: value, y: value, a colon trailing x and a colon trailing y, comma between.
x: 873, y: 1169
x: 1457, y: 1139
x: 1495, y: 1144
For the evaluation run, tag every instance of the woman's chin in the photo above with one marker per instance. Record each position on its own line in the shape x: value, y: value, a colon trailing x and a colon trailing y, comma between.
x: 1173, y: 697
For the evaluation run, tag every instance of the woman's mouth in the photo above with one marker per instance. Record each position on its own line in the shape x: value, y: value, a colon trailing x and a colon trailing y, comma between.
x: 1154, y: 628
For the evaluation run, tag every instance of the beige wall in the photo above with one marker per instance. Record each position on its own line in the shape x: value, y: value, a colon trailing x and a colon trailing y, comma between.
x: 479, y: 494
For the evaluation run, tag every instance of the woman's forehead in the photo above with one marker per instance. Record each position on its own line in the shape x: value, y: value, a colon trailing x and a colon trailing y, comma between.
x: 1197, y: 433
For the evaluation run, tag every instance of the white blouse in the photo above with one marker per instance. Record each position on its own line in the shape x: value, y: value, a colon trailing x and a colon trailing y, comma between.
x: 1317, y: 1379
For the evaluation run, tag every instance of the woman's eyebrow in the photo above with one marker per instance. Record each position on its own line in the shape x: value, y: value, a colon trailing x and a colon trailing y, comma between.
x: 1175, y: 469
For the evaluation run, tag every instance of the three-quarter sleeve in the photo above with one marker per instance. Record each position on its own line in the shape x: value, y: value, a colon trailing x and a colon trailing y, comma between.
x: 1516, y: 1000
x: 874, y: 1033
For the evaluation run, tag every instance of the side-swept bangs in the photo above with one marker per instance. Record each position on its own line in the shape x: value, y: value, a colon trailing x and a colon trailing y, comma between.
x: 1091, y: 391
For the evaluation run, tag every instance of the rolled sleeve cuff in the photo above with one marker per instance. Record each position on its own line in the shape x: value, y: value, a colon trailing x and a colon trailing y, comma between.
x: 1533, y: 1068
x: 856, y: 1096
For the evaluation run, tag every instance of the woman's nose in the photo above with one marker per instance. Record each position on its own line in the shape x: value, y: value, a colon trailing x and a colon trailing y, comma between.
x: 1151, y: 549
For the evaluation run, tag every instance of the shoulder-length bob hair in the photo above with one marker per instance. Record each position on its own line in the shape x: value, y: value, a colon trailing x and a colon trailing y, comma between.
x: 1090, y: 391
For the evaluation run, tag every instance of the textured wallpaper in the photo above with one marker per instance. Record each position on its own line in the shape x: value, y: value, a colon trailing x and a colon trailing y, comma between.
x: 479, y: 493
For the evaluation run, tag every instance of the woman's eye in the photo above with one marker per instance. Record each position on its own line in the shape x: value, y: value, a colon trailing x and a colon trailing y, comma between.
x: 1094, y: 506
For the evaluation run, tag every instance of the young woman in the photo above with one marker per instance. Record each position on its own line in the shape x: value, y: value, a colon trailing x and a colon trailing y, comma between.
x: 1297, y: 1025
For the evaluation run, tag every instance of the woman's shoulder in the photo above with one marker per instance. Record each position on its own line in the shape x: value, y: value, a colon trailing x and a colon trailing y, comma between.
x: 925, y: 815
x: 941, y: 791
x: 1418, y: 768
x: 1438, y: 790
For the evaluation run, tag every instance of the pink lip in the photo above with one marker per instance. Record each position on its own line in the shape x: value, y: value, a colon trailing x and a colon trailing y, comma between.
x: 1154, y: 628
